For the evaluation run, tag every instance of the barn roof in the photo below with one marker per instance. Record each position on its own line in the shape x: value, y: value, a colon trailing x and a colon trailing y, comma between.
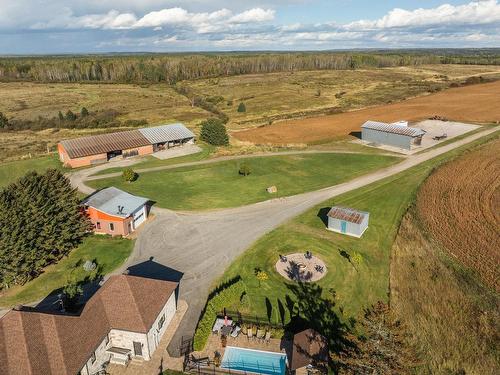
x: 347, y: 214
x: 393, y: 128
x: 309, y: 347
x: 103, y: 143
x: 166, y: 133
x: 107, y: 200
x: 33, y: 342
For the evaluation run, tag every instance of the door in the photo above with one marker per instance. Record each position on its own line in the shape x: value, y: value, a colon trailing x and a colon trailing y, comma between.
x: 137, y: 348
x: 343, y: 226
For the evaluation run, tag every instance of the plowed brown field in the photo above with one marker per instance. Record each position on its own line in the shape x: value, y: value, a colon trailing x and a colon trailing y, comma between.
x: 475, y: 103
x: 460, y: 205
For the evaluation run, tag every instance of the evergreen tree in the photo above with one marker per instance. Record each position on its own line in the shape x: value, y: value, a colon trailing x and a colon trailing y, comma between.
x: 60, y: 116
x: 214, y: 131
x: 242, y: 107
x: 40, y: 221
x: 84, y: 112
x: 4, y: 121
x: 70, y: 116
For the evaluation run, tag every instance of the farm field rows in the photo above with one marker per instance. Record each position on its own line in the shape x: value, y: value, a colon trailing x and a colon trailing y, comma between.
x: 219, y: 185
x: 474, y: 103
x: 460, y: 206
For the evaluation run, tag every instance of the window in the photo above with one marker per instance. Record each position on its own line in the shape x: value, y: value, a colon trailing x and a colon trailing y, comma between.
x: 92, y: 358
x: 111, y: 227
x: 98, y: 225
x: 161, y: 321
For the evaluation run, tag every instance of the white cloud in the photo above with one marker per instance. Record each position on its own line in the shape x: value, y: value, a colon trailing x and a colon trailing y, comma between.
x: 253, y: 15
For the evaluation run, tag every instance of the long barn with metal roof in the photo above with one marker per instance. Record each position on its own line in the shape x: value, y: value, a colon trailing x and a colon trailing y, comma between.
x: 96, y: 149
x: 395, y: 134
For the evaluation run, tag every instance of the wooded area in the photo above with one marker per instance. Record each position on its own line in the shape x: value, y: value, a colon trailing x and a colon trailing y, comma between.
x: 173, y: 68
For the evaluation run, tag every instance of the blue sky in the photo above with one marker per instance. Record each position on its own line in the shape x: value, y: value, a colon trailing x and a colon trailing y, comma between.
x: 96, y: 26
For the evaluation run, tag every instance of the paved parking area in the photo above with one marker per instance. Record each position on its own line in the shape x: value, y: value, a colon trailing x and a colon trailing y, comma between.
x: 174, y: 152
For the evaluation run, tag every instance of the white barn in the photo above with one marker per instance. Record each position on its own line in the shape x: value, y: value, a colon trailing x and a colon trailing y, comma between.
x: 348, y: 221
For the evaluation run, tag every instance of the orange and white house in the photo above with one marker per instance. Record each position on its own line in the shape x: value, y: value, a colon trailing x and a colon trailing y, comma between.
x: 115, y: 212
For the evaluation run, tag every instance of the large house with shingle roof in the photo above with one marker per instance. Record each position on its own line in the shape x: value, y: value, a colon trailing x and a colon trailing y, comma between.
x: 348, y: 221
x: 96, y: 149
x: 126, y: 318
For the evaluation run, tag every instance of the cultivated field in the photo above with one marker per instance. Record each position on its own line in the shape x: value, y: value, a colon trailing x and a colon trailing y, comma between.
x: 460, y: 206
x: 474, y: 103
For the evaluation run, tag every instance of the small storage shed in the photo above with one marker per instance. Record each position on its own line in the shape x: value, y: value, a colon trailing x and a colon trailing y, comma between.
x: 348, y: 221
x: 116, y: 212
x: 396, y: 135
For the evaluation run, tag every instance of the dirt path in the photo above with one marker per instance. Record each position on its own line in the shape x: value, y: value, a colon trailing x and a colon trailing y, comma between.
x: 474, y: 103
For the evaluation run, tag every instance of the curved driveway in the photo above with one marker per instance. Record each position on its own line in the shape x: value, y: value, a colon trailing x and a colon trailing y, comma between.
x: 202, y: 245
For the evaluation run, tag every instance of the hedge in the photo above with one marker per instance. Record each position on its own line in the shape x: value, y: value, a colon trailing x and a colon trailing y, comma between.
x: 216, y: 303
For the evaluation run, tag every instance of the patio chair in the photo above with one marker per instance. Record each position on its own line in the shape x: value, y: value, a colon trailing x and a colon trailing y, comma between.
x: 250, y: 333
x: 267, y: 338
x: 236, y: 331
x: 283, y: 258
x: 260, y: 334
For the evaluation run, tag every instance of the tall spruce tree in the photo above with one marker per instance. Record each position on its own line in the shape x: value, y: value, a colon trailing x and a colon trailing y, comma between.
x: 40, y: 222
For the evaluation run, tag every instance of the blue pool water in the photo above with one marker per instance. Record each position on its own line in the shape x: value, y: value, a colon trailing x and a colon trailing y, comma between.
x: 254, y: 361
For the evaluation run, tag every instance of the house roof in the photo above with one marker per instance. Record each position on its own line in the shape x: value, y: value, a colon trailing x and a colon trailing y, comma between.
x: 166, y: 133
x: 347, y: 214
x: 103, y: 143
x: 109, y: 199
x: 393, y: 128
x: 309, y: 347
x: 33, y: 342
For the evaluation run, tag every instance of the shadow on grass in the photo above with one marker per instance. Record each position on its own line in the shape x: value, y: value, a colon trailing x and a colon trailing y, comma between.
x: 323, y: 215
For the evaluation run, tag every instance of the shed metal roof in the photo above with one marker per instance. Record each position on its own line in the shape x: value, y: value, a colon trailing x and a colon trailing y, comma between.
x: 166, y: 133
x: 348, y: 214
x: 103, y: 143
x: 393, y: 128
x: 107, y: 200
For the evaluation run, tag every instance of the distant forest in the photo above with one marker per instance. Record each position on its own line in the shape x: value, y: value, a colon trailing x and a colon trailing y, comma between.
x: 172, y: 68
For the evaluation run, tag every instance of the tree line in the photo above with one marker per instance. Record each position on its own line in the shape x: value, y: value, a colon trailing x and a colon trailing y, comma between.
x: 70, y: 120
x: 40, y: 222
x: 172, y: 68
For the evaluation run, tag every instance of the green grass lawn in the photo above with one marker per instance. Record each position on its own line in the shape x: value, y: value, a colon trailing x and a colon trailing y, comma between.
x: 356, y: 288
x: 107, y: 252
x: 219, y: 185
x: 11, y: 171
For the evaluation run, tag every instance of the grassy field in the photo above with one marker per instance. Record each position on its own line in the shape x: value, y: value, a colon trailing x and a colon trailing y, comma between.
x: 355, y: 287
x: 219, y: 185
x: 267, y: 96
x: 288, y: 95
x: 107, y: 252
x: 11, y: 171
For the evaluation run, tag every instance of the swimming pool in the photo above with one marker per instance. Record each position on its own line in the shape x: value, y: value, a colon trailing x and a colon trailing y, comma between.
x: 254, y: 361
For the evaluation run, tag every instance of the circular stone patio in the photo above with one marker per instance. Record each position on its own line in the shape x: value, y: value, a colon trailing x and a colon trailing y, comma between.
x: 297, y: 267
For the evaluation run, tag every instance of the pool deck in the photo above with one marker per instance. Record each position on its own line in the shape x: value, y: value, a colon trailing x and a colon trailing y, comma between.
x: 242, y: 341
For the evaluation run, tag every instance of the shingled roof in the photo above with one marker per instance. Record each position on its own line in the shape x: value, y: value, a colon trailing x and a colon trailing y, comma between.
x: 33, y: 342
x: 347, y: 214
x: 393, y: 128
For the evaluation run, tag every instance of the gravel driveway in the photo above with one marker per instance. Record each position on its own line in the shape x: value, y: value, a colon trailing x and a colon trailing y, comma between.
x: 200, y: 246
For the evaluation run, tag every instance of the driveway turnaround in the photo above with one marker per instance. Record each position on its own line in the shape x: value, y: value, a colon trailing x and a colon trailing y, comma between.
x: 198, y: 247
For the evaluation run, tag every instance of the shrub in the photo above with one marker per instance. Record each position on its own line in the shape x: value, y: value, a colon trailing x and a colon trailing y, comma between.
x: 84, y: 112
x: 4, y: 122
x: 129, y: 175
x: 242, y: 107
x: 244, y: 169
x: 216, y: 303
x: 214, y: 132
x: 70, y: 116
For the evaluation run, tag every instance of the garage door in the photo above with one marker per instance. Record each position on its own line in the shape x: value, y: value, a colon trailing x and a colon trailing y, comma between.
x: 139, y: 217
